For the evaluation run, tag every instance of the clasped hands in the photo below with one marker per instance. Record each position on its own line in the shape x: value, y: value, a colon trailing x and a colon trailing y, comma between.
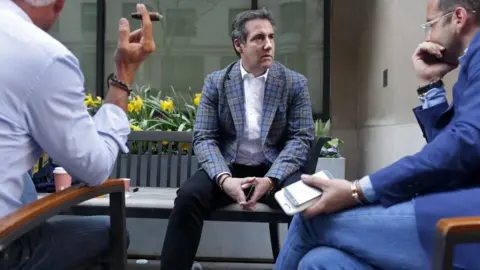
x: 235, y: 188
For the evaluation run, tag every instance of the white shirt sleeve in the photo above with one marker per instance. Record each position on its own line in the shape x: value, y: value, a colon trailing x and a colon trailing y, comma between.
x: 58, y: 120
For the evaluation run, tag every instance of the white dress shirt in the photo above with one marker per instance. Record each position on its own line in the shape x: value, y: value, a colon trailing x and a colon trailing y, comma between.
x: 42, y: 110
x: 250, y: 149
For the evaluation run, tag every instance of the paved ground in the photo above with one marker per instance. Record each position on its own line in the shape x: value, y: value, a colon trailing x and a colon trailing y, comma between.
x: 205, y: 266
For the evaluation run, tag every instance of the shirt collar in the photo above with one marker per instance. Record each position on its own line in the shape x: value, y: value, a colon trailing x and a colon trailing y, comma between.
x: 464, y: 53
x: 12, y: 7
x: 245, y: 73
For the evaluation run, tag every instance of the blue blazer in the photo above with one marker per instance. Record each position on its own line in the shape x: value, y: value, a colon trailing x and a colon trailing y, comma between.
x: 443, y: 178
x: 287, y: 127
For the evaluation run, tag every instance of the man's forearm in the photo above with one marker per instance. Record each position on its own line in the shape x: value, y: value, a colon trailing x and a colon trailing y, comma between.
x: 293, y: 157
x: 210, y: 158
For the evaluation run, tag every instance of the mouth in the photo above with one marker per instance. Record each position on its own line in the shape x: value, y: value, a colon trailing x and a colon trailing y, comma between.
x: 267, y: 56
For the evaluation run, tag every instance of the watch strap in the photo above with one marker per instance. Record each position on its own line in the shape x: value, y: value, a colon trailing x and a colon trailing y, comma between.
x: 421, y: 91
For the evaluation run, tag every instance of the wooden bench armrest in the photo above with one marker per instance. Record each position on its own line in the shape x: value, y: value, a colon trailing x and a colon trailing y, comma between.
x: 24, y: 219
x: 452, y: 231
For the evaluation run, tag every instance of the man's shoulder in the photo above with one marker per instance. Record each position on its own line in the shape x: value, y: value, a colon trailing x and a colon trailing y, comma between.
x: 290, y: 76
x: 222, y: 73
x: 32, y: 41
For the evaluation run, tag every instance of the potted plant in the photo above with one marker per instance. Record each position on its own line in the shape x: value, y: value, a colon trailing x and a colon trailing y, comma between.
x: 330, y: 158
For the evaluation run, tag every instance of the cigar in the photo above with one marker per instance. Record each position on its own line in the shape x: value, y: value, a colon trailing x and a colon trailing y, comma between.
x: 154, y: 16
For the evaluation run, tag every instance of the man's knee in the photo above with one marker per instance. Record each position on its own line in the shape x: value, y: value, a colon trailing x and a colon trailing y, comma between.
x: 325, y: 258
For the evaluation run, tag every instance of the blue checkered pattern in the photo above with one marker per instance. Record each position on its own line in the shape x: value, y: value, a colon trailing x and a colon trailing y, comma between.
x: 287, y: 124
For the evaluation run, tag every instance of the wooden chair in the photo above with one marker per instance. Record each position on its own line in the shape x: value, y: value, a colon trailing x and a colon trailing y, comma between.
x: 450, y: 232
x: 21, y: 221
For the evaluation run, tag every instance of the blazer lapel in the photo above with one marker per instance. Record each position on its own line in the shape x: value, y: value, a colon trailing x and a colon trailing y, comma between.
x: 271, y: 100
x: 236, y: 98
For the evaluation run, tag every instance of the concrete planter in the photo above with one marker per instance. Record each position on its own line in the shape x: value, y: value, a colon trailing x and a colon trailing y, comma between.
x: 336, y: 166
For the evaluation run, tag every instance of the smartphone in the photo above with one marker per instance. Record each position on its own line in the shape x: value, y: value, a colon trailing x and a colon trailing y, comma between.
x: 299, y: 196
x: 154, y: 16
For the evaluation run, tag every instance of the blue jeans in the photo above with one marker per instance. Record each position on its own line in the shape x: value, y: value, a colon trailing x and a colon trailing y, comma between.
x: 59, y: 244
x: 369, y: 237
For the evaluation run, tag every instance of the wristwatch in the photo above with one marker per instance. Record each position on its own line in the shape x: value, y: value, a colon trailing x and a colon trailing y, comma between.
x: 421, y: 91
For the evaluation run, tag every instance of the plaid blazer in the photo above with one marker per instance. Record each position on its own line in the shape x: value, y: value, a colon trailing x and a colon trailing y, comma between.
x: 287, y: 128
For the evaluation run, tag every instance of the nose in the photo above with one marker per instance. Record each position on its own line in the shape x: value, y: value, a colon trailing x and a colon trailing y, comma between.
x: 268, y: 44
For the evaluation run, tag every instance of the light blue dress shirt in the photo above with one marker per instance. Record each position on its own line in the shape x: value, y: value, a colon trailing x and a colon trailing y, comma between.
x: 42, y: 110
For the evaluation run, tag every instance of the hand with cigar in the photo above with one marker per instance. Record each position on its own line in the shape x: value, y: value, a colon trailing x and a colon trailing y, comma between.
x: 154, y: 16
x: 133, y: 47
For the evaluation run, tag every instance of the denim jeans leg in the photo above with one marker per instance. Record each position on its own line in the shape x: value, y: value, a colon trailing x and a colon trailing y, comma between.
x: 328, y: 258
x: 381, y: 237
x: 60, y: 244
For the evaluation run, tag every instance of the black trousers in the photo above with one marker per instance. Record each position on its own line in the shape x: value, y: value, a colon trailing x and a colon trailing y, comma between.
x: 196, y: 199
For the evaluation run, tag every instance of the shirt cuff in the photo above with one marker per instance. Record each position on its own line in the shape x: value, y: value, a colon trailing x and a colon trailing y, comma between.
x: 433, y: 97
x: 220, y: 174
x: 367, y: 189
x: 112, y: 124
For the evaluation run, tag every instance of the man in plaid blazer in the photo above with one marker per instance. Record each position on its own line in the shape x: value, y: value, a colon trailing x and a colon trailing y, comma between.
x: 253, y: 131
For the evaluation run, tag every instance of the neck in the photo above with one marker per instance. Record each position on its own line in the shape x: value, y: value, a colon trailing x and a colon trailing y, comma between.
x: 38, y: 15
x: 254, y: 71
x: 467, y: 39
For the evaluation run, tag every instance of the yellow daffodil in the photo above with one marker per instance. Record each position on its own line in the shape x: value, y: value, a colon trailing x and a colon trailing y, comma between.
x: 135, y: 105
x: 45, y: 161
x: 185, y: 147
x: 90, y: 102
x: 196, y: 101
x: 135, y: 128
x: 138, y: 104
x: 167, y: 105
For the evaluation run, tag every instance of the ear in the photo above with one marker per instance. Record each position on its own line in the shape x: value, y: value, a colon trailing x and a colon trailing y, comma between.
x: 238, y: 46
x: 58, y: 6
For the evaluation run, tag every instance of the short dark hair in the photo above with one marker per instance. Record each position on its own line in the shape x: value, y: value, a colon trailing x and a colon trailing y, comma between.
x: 470, y: 5
x: 238, y: 25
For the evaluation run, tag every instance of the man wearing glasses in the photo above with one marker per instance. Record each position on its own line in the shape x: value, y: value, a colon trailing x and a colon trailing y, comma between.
x: 386, y: 220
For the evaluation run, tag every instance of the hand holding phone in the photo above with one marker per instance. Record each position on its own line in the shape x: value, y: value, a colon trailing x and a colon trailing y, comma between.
x: 299, y: 196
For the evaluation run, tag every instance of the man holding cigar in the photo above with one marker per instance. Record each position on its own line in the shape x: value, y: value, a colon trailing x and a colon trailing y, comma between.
x: 43, y: 110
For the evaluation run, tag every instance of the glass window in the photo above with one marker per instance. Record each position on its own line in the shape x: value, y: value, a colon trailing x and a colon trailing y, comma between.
x: 181, y: 22
x: 76, y: 29
x: 291, y: 16
x: 89, y: 17
x: 299, y: 41
x: 191, y: 42
x: 231, y: 16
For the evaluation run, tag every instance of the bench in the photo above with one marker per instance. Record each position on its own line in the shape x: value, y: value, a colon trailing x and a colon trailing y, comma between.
x: 154, y: 166
x: 155, y: 199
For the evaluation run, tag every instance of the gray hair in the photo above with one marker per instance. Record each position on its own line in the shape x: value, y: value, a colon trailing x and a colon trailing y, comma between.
x: 469, y: 5
x: 239, y: 30
x: 39, y: 3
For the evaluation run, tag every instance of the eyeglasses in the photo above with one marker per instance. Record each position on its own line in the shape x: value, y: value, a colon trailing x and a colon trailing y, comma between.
x: 428, y: 25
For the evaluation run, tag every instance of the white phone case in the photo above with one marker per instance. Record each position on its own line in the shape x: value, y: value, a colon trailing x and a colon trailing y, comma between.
x: 291, y: 210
